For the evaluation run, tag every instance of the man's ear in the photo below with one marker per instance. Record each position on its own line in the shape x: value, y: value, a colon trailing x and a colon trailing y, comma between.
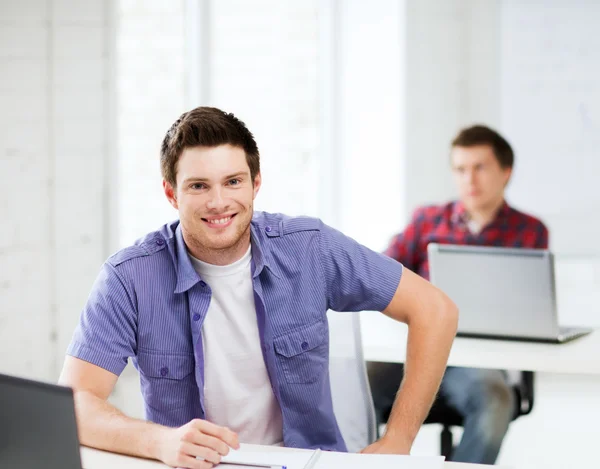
x: 256, y: 185
x: 170, y: 194
x: 507, y: 175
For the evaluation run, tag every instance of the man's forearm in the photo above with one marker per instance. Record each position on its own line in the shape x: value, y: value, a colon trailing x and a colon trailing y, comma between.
x: 426, y: 357
x: 103, y: 426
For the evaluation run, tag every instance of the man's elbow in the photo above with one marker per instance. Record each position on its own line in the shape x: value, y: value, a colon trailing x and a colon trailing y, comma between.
x: 447, y: 313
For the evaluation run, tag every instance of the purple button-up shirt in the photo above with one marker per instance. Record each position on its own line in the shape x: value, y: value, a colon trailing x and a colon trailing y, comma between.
x: 149, y: 303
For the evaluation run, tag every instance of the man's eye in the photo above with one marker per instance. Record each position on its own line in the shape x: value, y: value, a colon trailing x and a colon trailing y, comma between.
x: 234, y: 182
x: 197, y: 186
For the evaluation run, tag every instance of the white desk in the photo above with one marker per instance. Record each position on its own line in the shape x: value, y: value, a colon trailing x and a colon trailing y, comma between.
x: 385, y: 340
x: 95, y: 459
x: 566, y: 411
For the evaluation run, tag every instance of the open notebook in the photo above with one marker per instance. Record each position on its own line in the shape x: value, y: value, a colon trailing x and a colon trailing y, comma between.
x: 317, y: 459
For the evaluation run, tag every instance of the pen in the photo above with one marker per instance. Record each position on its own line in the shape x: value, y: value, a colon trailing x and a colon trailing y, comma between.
x: 313, y: 459
x: 249, y: 464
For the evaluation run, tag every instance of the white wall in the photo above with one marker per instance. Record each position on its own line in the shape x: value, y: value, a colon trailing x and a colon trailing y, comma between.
x: 451, y: 72
x: 54, y: 147
x: 550, y: 88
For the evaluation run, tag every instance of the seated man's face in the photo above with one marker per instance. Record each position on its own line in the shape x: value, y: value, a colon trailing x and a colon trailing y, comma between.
x: 479, y: 177
x: 215, y: 195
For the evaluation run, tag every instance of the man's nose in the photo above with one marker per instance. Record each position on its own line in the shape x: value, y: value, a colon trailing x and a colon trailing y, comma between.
x: 215, y: 200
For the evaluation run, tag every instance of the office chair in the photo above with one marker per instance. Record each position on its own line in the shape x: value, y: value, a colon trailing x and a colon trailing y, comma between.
x: 445, y: 415
x: 350, y: 390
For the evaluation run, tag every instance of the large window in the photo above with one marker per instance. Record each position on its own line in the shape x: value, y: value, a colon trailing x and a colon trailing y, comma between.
x: 150, y: 82
x: 261, y: 65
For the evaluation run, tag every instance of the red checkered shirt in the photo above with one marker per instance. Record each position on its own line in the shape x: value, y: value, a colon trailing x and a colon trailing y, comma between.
x: 447, y: 224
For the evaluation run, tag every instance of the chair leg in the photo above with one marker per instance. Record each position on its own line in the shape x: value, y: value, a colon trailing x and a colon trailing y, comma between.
x: 446, y: 442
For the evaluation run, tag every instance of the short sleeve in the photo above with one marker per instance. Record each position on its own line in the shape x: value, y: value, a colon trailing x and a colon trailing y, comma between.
x: 106, y: 333
x: 356, y: 277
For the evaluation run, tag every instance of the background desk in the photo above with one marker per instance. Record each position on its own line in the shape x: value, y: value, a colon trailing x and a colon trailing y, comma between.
x: 563, y: 427
x: 94, y: 459
x: 385, y: 340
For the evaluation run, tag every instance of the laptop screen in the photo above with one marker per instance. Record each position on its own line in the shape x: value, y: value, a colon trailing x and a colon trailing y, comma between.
x: 37, y: 425
x: 499, y: 291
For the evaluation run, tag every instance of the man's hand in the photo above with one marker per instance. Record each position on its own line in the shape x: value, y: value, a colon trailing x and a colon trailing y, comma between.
x: 179, y: 447
x: 388, y: 445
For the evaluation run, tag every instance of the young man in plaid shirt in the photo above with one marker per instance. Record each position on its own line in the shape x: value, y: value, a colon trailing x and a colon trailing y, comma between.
x: 482, y: 162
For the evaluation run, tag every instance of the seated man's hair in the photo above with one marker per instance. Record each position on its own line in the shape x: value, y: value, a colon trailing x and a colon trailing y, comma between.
x: 482, y: 135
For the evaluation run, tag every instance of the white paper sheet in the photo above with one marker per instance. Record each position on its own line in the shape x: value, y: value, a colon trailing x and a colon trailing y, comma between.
x: 333, y: 460
x: 329, y: 460
x: 288, y: 459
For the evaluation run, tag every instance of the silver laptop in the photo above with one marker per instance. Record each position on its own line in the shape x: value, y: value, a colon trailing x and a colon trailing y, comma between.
x: 37, y: 425
x: 506, y: 293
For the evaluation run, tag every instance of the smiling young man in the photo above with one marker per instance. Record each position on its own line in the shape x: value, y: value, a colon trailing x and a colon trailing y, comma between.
x: 224, y: 315
x: 482, y: 162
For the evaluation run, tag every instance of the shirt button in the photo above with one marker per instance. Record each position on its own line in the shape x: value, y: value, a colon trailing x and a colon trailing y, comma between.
x: 196, y: 317
x: 304, y: 345
x: 164, y: 371
x: 268, y: 229
x: 202, y: 283
x: 160, y: 242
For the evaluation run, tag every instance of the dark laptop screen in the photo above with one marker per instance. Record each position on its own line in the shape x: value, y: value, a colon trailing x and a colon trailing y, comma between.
x: 37, y: 425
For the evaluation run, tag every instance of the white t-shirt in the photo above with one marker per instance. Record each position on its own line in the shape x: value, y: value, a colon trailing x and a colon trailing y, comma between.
x: 474, y: 227
x: 237, y: 389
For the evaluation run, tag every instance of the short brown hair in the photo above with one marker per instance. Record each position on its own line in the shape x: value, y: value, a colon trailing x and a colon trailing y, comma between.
x: 482, y: 135
x: 206, y: 127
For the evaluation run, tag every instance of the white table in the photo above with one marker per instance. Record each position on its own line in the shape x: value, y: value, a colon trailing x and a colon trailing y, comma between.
x: 385, y: 340
x: 562, y: 429
x: 95, y: 459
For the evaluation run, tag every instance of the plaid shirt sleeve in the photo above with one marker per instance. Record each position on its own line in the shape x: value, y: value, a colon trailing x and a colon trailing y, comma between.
x: 404, y: 247
x: 542, y: 238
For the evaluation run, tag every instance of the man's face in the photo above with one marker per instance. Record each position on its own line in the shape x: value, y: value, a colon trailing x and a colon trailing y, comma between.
x: 214, y: 196
x: 479, y: 178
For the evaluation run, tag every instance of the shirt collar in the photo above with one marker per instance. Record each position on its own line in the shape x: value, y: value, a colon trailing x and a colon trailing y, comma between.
x: 460, y: 215
x: 187, y: 276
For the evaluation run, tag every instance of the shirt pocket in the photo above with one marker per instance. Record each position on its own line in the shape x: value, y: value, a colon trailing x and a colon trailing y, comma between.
x: 303, y: 353
x: 167, y: 380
